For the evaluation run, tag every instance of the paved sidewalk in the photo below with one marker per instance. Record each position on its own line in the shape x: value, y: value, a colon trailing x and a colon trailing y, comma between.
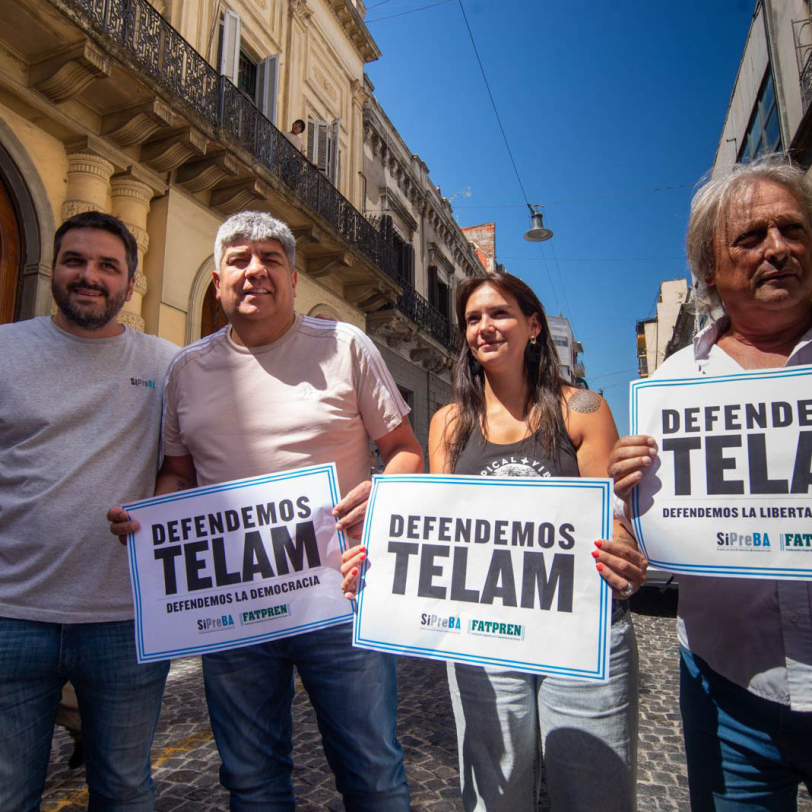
x: 186, y: 762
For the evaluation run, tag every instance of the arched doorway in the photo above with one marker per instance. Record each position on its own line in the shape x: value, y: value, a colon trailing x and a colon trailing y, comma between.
x: 212, y: 317
x: 27, y: 229
x: 10, y: 255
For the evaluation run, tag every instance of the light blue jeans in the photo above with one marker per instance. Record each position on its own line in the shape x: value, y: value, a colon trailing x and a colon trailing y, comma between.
x: 119, y: 702
x: 354, y: 694
x: 586, y: 731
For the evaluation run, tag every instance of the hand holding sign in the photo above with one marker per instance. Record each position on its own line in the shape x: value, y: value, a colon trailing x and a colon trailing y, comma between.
x: 630, y: 457
x: 351, y: 562
x: 728, y: 492
x: 121, y: 525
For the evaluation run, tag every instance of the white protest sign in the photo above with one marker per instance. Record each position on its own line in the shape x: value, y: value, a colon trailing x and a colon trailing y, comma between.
x: 730, y: 493
x: 236, y: 563
x: 488, y: 571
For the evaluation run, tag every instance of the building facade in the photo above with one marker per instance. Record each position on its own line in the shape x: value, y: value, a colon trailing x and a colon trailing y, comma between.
x: 655, y: 334
x: 769, y: 109
x: 568, y: 348
x: 416, y: 334
x: 163, y: 114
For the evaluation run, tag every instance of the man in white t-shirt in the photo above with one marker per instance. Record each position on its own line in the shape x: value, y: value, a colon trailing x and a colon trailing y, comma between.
x: 270, y: 392
x: 745, y: 645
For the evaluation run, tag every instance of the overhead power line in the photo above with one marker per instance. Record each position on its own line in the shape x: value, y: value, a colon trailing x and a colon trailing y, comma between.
x: 599, y: 259
x: 409, y: 11
x: 493, y: 102
x: 612, y: 374
x: 581, y: 199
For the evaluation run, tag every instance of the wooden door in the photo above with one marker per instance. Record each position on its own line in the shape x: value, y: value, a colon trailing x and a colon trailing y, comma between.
x: 213, y: 317
x: 10, y: 252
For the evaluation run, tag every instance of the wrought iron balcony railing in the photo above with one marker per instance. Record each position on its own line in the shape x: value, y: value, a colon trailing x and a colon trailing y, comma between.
x: 427, y: 318
x: 802, y: 33
x: 169, y: 60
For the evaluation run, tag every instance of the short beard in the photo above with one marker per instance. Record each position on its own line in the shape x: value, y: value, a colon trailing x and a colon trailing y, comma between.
x: 89, y: 318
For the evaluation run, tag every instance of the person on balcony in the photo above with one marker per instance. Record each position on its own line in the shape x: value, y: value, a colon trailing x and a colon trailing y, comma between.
x: 295, y: 135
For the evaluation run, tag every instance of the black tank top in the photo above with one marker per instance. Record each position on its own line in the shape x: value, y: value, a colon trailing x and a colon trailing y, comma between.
x: 524, y: 458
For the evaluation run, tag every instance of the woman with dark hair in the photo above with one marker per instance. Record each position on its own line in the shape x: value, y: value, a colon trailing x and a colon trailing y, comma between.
x: 512, y: 414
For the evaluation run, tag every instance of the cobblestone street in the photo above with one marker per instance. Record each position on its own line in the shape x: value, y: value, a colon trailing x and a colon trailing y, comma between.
x: 185, y: 760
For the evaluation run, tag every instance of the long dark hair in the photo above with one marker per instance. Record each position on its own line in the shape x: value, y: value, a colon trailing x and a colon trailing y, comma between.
x: 542, y: 406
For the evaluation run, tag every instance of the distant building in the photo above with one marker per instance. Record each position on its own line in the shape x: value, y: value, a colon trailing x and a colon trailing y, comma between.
x: 685, y: 326
x: 568, y: 348
x: 417, y: 333
x: 483, y: 239
x: 769, y: 109
x: 654, y: 334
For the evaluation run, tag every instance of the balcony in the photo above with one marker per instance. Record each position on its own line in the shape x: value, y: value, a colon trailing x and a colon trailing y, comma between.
x: 802, y: 34
x: 436, y: 341
x: 154, y: 52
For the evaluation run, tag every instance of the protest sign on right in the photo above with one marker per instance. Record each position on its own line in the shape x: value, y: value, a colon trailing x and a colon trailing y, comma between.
x: 730, y: 492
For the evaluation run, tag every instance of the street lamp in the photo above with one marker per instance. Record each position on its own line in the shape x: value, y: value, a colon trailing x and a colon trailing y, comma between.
x: 537, y: 232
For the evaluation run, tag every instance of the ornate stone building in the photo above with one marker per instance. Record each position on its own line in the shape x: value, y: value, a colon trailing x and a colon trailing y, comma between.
x: 163, y: 114
x: 416, y: 333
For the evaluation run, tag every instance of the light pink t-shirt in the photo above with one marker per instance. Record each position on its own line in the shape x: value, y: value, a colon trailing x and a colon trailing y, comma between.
x: 316, y: 395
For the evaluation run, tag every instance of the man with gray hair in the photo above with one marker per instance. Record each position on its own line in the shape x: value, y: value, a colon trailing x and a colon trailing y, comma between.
x: 745, y: 679
x: 274, y: 391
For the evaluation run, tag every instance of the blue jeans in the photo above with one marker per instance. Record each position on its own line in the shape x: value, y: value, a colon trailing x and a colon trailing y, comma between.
x: 354, y: 694
x: 743, y: 752
x: 587, y: 732
x: 119, y: 702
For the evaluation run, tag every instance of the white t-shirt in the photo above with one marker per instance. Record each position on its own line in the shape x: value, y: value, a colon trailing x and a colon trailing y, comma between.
x: 315, y: 395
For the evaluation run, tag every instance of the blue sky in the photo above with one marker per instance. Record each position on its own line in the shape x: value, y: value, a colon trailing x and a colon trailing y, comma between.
x: 602, y: 102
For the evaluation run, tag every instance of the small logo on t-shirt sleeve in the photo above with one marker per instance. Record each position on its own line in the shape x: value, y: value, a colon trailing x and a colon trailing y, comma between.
x: 148, y: 384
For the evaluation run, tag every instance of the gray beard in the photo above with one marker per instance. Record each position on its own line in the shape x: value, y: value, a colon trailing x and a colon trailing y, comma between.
x: 88, y: 319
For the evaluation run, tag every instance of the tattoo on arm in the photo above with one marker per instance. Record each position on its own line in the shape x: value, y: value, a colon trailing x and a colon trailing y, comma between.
x: 181, y: 485
x: 584, y: 402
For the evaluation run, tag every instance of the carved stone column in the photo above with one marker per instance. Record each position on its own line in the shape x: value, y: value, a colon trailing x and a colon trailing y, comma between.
x: 88, y: 187
x: 88, y: 183
x: 131, y: 200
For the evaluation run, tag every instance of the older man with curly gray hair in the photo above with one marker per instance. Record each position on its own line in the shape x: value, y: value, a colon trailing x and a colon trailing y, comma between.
x: 745, y: 645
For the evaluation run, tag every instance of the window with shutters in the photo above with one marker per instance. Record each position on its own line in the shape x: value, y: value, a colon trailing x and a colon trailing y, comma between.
x: 439, y: 291
x: 247, y: 76
x: 256, y: 78
x: 323, y: 146
x: 405, y: 256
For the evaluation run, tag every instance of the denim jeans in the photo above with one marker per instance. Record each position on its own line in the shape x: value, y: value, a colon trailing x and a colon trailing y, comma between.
x: 743, y: 752
x: 354, y: 694
x: 586, y: 731
x: 119, y: 703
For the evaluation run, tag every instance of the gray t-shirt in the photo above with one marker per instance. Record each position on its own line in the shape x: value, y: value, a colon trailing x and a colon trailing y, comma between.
x: 79, y: 429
